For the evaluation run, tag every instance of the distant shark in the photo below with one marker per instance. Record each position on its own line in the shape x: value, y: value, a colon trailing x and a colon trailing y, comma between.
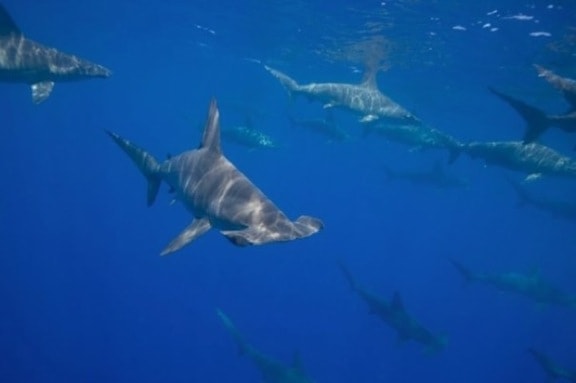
x: 272, y: 371
x: 437, y: 177
x: 364, y: 99
x: 248, y: 136
x: 418, y: 137
x: 562, y: 209
x: 551, y: 368
x: 533, y: 159
x: 529, y: 285
x: 325, y: 126
x: 217, y: 194
x: 26, y: 61
x: 395, y: 315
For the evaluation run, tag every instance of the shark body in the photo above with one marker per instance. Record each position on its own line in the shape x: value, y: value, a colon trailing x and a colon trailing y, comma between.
x: 363, y: 99
x: 25, y: 61
x: 217, y: 194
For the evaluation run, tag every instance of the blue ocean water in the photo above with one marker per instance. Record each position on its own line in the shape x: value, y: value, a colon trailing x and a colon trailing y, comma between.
x: 85, y: 297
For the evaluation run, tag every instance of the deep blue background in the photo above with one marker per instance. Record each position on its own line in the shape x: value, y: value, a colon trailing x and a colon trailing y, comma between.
x: 84, y: 296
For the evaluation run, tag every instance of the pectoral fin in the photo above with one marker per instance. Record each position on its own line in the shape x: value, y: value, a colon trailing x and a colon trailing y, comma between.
x: 41, y: 91
x: 192, y: 231
x: 368, y: 118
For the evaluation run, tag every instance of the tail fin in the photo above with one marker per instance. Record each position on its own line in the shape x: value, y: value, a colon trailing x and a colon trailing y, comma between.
x: 536, y: 120
x: 287, y: 82
x: 546, y: 363
x: 348, y: 275
x: 466, y: 273
x: 144, y: 161
x: 243, y: 347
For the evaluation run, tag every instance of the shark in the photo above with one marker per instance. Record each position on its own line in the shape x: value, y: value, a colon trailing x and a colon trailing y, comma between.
x: 325, y: 126
x: 418, y: 137
x: 533, y: 159
x: 216, y: 193
x: 557, y: 208
x: 364, y: 99
x: 25, y: 61
x: 395, y: 315
x: 529, y: 285
x: 272, y: 370
x: 248, y: 136
x: 436, y: 177
x: 552, y: 369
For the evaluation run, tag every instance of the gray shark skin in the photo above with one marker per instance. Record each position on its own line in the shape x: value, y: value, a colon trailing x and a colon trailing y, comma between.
x: 420, y: 137
x: 436, y: 177
x: 560, y: 209
x: 529, y: 158
x: 395, y: 315
x: 531, y: 286
x: 566, y: 85
x: 364, y: 99
x: 26, y: 61
x: 217, y: 194
x: 551, y: 368
x: 324, y: 126
x: 272, y: 371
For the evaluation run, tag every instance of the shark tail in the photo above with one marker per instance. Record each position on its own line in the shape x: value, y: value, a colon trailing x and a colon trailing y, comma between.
x: 243, y: 346
x: 348, y: 275
x: 291, y: 86
x: 536, y: 120
x: 144, y: 161
x: 466, y: 273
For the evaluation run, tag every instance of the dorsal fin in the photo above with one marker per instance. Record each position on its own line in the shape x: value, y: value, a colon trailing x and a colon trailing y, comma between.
x: 397, y: 303
x: 369, y: 79
x: 7, y: 25
x: 211, y: 136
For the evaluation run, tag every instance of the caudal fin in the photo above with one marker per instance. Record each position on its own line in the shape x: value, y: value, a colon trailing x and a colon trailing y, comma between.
x: 536, y: 120
x: 348, y: 275
x: 144, y: 161
x: 243, y: 347
x: 466, y: 273
x: 286, y: 81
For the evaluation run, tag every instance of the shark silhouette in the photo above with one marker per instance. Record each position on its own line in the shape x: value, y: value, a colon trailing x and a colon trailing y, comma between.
x: 217, y: 194
x: 25, y: 61
x: 394, y: 314
x: 272, y: 371
x: 529, y: 285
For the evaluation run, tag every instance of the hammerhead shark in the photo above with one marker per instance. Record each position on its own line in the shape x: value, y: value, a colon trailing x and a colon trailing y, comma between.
x: 25, y: 61
x: 364, y: 99
x: 395, y: 315
x: 529, y: 285
x: 216, y: 193
x: 533, y: 159
x: 272, y: 370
